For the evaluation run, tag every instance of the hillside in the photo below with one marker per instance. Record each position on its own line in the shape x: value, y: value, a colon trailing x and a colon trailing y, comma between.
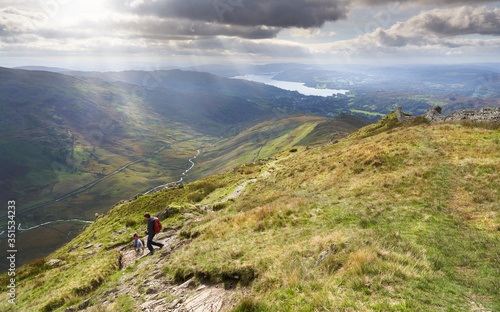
x: 82, y: 128
x: 72, y: 146
x: 176, y: 79
x: 334, y: 129
x: 268, y: 138
x: 392, y: 218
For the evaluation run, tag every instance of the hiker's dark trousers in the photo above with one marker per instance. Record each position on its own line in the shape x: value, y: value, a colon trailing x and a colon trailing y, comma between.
x: 151, y: 242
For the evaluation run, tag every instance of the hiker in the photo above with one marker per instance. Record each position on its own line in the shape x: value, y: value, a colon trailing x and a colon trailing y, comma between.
x: 138, y: 242
x: 151, y: 233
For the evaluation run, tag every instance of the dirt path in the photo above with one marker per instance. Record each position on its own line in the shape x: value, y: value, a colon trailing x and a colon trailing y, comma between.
x: 153, y: 292
x: 130, y: 255
x: 235, y: 194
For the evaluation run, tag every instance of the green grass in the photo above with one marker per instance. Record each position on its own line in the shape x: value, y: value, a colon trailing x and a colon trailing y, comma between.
x: 258, y: 142
x: 410, y: 211
x: 367, y: 113
x: 393, y: 203
x: 44, y: 288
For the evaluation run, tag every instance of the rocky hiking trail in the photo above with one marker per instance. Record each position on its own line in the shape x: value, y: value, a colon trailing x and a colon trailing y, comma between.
x: 158, y: 293
x: 154, y: 289
x: 234, y: 194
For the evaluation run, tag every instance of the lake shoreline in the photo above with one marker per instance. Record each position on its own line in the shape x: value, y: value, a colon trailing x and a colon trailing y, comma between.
x: 290, y: 86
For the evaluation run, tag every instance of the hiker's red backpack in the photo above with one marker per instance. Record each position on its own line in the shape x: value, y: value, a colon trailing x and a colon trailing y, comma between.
x: 157, y: 225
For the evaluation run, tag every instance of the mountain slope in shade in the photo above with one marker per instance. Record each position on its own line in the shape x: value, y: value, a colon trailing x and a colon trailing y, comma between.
x: 177, y: 79
x: 57, y: 127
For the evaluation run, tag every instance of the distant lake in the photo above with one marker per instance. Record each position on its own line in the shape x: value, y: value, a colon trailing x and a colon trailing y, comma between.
x: 291, y: 86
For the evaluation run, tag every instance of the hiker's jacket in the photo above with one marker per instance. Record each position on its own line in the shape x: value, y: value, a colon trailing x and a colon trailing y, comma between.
x: 151, y: 228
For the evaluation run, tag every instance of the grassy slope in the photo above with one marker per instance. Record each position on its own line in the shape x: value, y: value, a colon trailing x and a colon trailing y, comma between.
x: 271, y: 137
x: 257, y: 142
x: 334, y: 129
x: 412, y: 210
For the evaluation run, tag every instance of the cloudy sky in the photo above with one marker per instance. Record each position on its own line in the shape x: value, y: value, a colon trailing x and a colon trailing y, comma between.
x: 122, y: 34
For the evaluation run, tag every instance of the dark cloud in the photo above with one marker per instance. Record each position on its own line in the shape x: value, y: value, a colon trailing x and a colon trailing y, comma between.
x: 172, y: 29
x: 274, y: 13
x: 14, y: 23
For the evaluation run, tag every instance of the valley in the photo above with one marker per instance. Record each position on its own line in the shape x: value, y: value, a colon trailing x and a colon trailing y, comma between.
x: 73, y: 145
x: 396, y: 216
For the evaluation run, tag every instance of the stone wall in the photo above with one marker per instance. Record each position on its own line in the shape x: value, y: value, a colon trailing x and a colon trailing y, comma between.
x: 402, y: 117
x: 484, y: 114
x: 434, y: 115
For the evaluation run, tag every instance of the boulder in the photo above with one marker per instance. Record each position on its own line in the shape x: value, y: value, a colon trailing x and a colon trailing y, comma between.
x: 434, y: 114
x: 167, y: 213
x: 402, y: 117
x: 53, y: 262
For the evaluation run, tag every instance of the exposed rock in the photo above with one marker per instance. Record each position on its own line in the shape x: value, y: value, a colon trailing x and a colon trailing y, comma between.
x: 88, y: 246
x: 322, y: 256
x: 188, y: 284
x: 434, y: 115
x: 53, y: 262
x: 167, y: 213
x: 168, y: 186
x: 402, y: 117
x: 152, y: 290
x: 174, y: 303
x: 263, y: 161
x: 153, y: 304
x: 84, y: 304
x: 207, y: 299
x: 484, y: 114
x: 73, y: 248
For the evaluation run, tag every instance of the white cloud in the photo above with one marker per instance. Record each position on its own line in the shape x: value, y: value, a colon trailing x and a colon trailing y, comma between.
x: 14, y: 21
x: 306, y: 33
x: 438, y: 27
x: 423, y: 2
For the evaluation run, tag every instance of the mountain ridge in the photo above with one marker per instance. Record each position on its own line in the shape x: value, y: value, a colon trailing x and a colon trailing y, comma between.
x: 394, y: 217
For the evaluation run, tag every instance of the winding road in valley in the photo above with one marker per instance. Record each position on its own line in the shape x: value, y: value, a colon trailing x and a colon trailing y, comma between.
x: 89, y: 185
x: 94, y: 183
